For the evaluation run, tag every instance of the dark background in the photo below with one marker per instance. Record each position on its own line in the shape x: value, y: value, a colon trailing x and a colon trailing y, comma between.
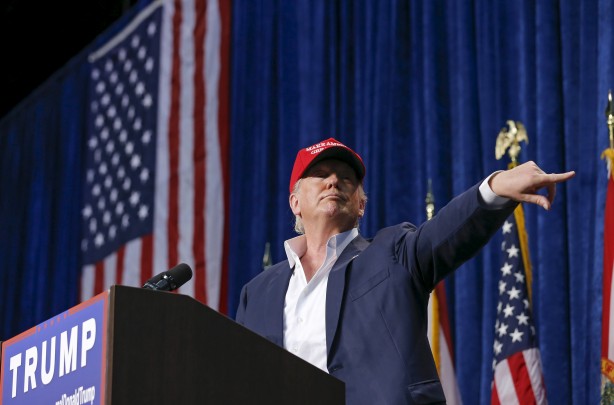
x: 38, y: 37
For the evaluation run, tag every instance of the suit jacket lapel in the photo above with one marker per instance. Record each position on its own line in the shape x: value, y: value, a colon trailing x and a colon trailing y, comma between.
x: 336, y: 287
x: 275, y: 299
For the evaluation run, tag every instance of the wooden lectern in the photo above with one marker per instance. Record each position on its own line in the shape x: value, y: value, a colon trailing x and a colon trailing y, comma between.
x: 167, y: 348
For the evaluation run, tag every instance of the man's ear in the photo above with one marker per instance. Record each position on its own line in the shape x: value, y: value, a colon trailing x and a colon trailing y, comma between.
x: 361, y: 209
x: 294, y: 206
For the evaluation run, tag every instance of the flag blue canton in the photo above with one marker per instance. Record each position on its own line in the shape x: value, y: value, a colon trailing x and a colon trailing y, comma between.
x: 514, y: 330
x: 121, y: 140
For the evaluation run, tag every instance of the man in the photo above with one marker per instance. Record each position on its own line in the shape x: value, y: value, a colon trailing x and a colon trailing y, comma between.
x: 357, y: 308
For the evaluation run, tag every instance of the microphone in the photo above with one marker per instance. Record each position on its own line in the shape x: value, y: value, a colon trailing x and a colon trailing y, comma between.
x: 170, y: 280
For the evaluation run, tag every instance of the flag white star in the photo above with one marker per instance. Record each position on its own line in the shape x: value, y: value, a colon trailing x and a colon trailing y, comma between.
x: 101, y: 203
x: 135, y: 197
x: 112, y: 232
x: 144, y: 176
x: 125, y: 221
x: 497, y: 347
x: 146, y: 137
x: 93, y: 225
x: 119, y: 208
x: 143, y: 212
x: 110, y: 147
x: 506, y: 270
x: 507, y: 227
x: 106, y: 217
x: 522, y: 319
x: 135, y: 161
x: 519, y: 277
x: 99, y: 239
x: 502, y: 286
x: 508, y: 311
x: 514, y: 293
x: 516, y: 335
x: 513, y: 251
x: 502, y: 329
x: 87, y: 211
x: 92, y: 143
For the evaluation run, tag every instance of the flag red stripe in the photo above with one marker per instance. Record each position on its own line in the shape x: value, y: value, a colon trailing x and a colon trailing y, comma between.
x: 522, y: 381
x: 173, y: 140
x: 99, y: 277
x: 608, y: 261
x: 147, y: 248
x: 444, y: 321
x: 224, y: 139
x: 199, y: 153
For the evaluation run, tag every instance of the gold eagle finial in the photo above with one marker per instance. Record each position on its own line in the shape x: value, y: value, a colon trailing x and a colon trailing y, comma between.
x: 510, y: 138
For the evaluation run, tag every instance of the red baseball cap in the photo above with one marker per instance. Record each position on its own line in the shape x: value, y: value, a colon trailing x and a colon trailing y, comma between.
x: 328, y: 149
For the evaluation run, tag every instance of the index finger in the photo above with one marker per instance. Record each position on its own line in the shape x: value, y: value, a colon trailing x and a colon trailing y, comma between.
x: 559, y: 177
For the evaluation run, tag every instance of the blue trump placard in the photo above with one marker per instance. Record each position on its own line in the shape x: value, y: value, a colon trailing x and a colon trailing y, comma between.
x: 61, y: 361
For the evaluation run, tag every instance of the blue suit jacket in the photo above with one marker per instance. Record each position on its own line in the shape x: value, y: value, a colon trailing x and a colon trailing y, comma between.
x: 376, y: 302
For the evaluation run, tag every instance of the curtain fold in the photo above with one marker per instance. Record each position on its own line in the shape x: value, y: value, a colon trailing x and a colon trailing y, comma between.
x: 40, y: 150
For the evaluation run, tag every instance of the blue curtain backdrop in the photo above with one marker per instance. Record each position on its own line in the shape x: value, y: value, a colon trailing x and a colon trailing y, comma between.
x: 420, y: 89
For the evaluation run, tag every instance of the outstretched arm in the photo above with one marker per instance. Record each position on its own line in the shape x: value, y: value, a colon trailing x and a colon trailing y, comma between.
x: 523, y: 182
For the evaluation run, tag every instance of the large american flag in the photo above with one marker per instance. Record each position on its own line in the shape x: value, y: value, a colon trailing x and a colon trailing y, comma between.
x: 156, y: 186
x: 518, y: 377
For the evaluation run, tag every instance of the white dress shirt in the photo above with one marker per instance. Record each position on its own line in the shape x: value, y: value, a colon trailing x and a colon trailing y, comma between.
x: 305, y: 305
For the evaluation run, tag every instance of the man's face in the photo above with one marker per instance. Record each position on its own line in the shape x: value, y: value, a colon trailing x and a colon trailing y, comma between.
x: 329, y: 191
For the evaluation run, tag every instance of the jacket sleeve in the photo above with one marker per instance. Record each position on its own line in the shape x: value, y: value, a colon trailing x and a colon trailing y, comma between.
x: 454, y: 235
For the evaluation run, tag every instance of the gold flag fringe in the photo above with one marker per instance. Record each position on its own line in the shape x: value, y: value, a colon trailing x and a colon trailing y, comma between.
x: 608, y: 154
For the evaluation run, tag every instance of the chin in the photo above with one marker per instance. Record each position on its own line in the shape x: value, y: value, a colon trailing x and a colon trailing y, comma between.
x: 332, y: 209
